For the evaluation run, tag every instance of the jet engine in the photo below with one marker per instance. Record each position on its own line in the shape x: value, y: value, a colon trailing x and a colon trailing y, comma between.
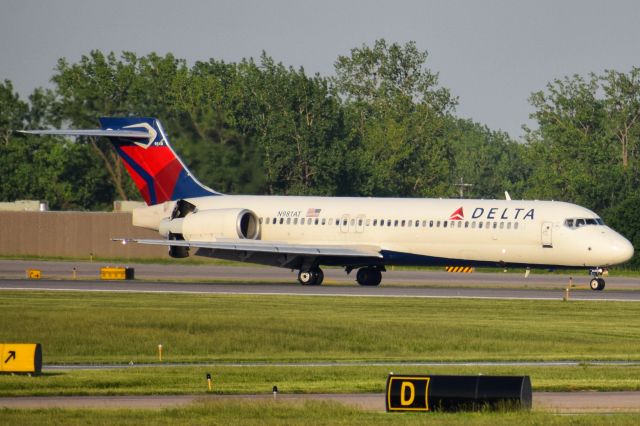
x: 210, y: 225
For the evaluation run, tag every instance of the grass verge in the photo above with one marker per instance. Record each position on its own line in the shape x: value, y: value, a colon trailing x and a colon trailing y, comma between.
x: 310, y: 412
x: 227, y: 380
x: 77, y: 327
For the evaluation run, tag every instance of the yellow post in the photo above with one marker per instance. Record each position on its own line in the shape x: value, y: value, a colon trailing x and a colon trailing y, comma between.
x: 566, y: 294
x: 74, y: 273
x: 209, y: 381
x: 160, y: 352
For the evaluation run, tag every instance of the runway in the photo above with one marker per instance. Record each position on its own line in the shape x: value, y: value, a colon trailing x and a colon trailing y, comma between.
x: 264, y: 281
x: 562, y: 402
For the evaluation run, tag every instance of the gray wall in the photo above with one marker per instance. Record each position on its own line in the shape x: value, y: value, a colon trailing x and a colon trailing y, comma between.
x: 73, y: 234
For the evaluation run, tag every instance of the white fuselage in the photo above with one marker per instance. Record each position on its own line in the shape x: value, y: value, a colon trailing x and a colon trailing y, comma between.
x: 430, y: 231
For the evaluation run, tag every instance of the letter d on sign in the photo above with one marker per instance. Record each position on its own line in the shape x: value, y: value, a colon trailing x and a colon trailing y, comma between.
x: 407, y: 393
x: 404, y: 401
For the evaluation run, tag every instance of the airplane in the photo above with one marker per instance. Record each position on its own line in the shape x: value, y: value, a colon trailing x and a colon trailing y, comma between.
x: 366, y: 234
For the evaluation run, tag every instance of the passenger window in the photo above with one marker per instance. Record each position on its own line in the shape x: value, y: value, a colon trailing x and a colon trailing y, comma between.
x: 488, y: 225
x: 473, y: 225
x: 444, y: 224
x: 403, y: 222
x: 459, y: 224
x: 324, y: 221
x: 375, y: 222
x: 273, y: 221
x: 368, y: 222
x: 281, y: 220
x: 438, y: 224
x: 389, y: 222
x: 480, y: 225
x: 501, y: 225
x: 466, y: 224
x: 359, y: 222
x: 288, y: 220
x: 430, y: 224
x: 424, y: 223
x: 508, y: 225
x: 515, y: 225
x: 260, y: 221
x: 417, y: 223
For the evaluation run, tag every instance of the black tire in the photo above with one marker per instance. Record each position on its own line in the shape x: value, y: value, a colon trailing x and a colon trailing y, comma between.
x: 601, y: 284
x: 311, y: 277
x: 369, y: 276
x: 594, y: 284
x: 318, y: 276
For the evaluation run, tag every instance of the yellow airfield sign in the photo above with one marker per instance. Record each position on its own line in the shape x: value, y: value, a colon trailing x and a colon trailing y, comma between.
x: 20, y: 358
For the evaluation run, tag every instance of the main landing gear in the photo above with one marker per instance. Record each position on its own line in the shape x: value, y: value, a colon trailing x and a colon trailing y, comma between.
x: 313, y: 276
x: 597, y: 283
x: 369, y: 276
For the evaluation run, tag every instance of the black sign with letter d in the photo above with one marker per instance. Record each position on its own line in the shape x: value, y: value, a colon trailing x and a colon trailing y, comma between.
x: 408, y: 393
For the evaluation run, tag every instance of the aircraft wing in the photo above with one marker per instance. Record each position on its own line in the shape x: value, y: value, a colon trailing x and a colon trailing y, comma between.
x: 260, y: 246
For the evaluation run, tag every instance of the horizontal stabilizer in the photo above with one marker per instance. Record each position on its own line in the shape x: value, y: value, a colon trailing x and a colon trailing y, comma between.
x: 130, y: 134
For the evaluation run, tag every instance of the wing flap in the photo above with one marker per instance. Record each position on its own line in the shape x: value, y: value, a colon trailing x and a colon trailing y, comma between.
x: 268, y: 247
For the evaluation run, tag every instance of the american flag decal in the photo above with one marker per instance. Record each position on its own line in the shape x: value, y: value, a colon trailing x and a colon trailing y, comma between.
x: 313, y: 212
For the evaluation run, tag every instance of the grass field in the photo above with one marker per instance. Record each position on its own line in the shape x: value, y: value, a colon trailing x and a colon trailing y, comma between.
x: 76, y: 327
x: 109, y: 327
x: 190, y: 380
x: 309, y: 413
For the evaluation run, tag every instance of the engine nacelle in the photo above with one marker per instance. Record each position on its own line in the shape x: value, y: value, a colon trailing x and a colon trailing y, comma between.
x: 207, y: 225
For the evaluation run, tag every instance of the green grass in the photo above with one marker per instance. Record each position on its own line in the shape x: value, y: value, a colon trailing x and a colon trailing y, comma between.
x: 312, y: 412
x: 227, y: 380
x: 109, y: 327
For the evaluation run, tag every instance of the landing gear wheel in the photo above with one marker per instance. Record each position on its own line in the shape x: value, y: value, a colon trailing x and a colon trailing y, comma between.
x: 311, y: 277
x: 597, y: 284
x: 305, y: 277
x: 369, y: 276
x: 319, y: 276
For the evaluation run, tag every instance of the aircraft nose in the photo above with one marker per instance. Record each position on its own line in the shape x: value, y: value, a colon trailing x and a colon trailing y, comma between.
x: 621, y: 250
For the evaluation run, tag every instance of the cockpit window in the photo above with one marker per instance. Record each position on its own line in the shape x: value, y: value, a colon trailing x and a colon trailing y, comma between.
x: 578, y: 222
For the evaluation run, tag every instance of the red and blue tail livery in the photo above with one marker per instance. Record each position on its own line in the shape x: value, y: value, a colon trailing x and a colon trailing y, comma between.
x: 142, y: 144
x: 157, y: 171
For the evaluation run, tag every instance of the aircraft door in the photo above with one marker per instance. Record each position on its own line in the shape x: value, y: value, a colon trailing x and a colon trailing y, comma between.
x: 344, y: 223
x: 547, y: 240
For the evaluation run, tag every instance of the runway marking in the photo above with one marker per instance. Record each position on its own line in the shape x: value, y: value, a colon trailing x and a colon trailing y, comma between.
x: 258, y: 293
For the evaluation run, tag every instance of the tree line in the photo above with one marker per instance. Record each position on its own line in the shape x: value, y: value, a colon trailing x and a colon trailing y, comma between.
x: 382, y: 125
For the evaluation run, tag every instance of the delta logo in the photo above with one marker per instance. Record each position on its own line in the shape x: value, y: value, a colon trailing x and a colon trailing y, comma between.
x: 494, y: 213
x: 457, y: 215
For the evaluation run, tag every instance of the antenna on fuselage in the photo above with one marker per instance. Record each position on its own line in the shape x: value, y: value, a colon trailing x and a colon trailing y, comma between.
x: 461, y: 186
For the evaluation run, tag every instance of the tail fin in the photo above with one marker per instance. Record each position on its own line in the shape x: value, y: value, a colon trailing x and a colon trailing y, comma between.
x: 155, y: 168
x: 157, y: 171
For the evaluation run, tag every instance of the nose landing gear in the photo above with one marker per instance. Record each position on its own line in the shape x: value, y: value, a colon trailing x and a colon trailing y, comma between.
x: 597, y: 283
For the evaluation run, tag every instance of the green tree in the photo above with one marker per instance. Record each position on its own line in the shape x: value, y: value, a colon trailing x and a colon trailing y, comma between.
x: 13, y: 112
x: 398, y: 117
